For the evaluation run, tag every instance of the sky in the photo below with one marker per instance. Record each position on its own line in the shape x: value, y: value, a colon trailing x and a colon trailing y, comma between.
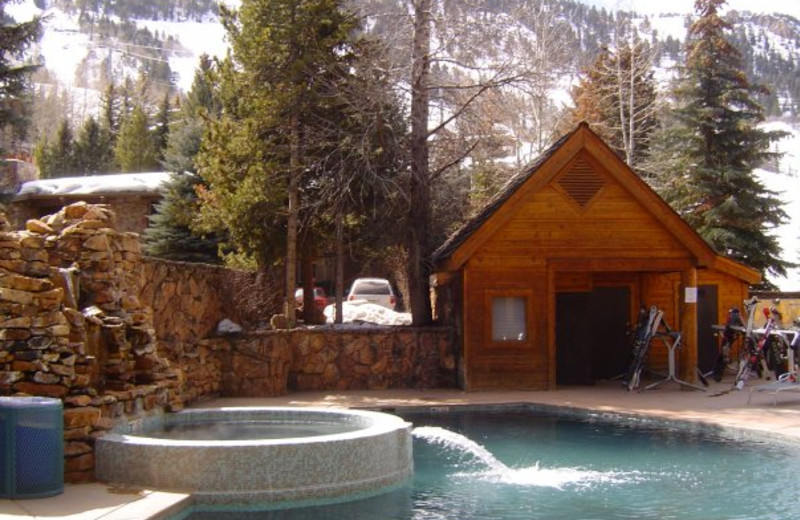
x: 791, y: 7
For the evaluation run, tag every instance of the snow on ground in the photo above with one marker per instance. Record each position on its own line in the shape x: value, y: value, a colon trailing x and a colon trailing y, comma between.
x: 361, y: 312
x: 786, y: 183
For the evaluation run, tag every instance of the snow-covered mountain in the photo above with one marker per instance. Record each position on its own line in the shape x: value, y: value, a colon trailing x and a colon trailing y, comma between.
x: 64, y: 46
x: 654, y: 7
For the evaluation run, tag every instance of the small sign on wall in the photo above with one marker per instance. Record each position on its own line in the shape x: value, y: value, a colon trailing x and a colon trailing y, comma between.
x: 690, y: 295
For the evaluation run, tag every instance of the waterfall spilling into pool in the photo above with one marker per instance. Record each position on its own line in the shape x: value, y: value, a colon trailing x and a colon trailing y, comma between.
x: 260, y: 455
x: 485, y: 465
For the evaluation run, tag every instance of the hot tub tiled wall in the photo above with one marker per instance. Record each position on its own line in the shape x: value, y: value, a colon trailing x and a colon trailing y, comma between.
x: 316, y: 469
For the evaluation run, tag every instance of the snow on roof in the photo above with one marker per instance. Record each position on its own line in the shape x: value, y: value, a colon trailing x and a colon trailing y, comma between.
x: 94, y: 185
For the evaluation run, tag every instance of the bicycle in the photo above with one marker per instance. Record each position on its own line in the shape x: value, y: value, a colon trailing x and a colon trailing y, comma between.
x: 733, y: 328
x: 753, y: 356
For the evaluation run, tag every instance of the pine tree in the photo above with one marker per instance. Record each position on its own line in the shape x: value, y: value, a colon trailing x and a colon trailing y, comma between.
x: 170, y: 233
x: 135, y: 150
x: 42, y: 156
x: 15, y: 38
x: 111, y: 113
x: 287, y: 58
x: 714, y: 146
x: 161, y: 130
x: 93, y: 152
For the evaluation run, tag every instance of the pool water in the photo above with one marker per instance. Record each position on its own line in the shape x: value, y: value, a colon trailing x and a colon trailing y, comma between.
x: 522, y: 465
x: 248, y: 430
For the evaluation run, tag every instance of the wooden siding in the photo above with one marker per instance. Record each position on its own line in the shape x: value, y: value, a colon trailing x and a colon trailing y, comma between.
x: 518, y: 365
x: 550, y: 225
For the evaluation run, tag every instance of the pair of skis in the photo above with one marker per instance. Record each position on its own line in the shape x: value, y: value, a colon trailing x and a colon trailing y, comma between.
x: 646, y: 328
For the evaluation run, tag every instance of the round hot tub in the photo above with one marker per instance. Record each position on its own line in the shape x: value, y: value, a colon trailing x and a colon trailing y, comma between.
x: 247, y: 455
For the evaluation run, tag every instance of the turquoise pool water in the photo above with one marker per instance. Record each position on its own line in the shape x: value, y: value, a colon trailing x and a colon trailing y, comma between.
x: 520, y: 465
x: 249, y: 430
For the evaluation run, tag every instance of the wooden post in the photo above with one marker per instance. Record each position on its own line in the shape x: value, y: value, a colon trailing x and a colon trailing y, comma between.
x: 688, y: 326
x: 551, y: 328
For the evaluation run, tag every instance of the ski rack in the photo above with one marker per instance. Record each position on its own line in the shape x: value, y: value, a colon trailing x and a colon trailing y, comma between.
x: 672, y: 347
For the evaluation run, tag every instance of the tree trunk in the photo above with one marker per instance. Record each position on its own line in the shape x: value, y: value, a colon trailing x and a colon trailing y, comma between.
x: 420, y: 209
x: 339, y: 268
x: 292, y: 221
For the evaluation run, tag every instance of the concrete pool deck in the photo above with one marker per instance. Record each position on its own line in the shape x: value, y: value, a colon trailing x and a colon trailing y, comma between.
x: 97, y: 501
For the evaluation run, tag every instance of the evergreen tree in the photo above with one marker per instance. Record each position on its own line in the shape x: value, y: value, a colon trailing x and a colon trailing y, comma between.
x: 161, y: 130
x: 93, y: 152
x: 202, y: 96
x: 288, y: 59
x: 709, y: 153
x: 135, y: 150
x: 42, y: 156
x: 170, y: 234
x: 15, y: 39
x: 111, y: 113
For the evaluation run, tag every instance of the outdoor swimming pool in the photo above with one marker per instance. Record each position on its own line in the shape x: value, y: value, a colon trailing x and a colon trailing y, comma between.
x: 521, y: 465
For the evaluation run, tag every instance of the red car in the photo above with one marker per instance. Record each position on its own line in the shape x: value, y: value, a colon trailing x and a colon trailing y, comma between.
x: 320, y: 298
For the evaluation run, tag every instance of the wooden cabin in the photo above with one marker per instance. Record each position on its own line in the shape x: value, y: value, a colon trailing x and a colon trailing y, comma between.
x: 544, y: 284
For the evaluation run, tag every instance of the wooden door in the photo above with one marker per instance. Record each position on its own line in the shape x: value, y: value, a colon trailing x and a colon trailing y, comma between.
x: 574, y: 338
x: 591, y: 335
x: 707, y: 315
x: 610, y: 323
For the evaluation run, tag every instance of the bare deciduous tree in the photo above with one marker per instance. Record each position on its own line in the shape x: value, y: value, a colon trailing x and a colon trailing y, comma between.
x: 450, y: 56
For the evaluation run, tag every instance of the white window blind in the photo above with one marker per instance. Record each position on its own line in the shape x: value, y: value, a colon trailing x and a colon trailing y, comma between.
x: 508, y: 319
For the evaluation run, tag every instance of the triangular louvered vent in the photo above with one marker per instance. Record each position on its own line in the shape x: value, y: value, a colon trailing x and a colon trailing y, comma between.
x: 581, y: 183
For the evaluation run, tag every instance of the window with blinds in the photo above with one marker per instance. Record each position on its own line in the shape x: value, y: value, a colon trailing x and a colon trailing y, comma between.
x: 509, y: 319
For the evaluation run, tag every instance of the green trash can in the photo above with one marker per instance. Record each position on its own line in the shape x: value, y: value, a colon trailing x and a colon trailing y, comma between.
x: 31, y: 447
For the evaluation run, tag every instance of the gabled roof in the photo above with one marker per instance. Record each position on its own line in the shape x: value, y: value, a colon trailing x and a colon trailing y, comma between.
x: 458, y: 248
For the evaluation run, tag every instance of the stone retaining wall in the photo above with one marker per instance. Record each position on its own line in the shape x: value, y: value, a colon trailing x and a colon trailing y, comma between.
x: 325, y: 358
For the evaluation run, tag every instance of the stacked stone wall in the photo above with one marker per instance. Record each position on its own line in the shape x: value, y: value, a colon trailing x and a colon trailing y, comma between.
x: 326, y: 358
x: 189, y: 302
x: 72, y: 327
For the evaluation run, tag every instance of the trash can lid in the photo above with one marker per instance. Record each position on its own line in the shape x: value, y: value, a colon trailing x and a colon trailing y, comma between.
x: 28, y: 402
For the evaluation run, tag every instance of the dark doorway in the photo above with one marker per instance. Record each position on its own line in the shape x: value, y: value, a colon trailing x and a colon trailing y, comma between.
x: 706, y: 317
x: 611, y: 323
x: 591, y: 335
x: 574, y: 339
